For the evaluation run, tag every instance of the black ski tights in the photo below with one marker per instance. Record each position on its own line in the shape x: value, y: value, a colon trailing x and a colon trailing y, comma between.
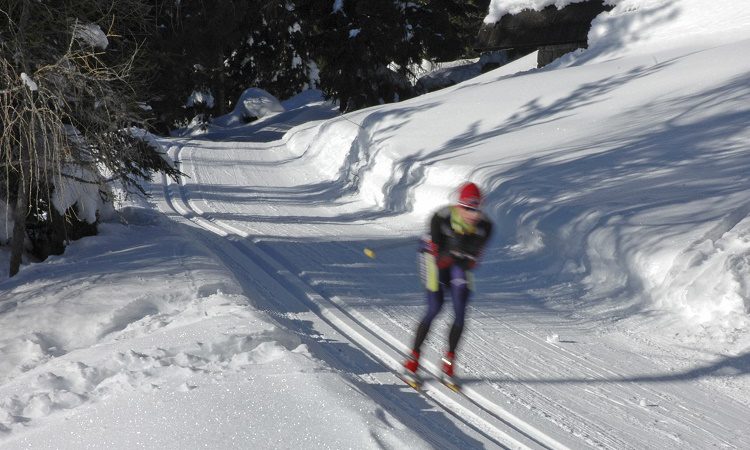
x: 453, y: 338
x: 454, y: 279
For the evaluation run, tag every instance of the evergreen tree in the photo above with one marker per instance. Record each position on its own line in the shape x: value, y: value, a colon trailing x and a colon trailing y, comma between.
x: 364, y: 49
x: 452, y: 27
x: 192, y: 49
x: 274, y: 54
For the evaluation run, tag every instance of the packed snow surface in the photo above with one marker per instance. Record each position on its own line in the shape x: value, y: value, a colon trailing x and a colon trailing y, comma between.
x: 236, y: 308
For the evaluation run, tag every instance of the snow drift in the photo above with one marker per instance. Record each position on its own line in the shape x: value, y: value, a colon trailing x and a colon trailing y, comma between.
x: 620, y: 166
x: 253, y: 104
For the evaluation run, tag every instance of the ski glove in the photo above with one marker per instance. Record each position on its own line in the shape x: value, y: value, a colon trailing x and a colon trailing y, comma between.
x: 428, y: 247
x: 443, y: 261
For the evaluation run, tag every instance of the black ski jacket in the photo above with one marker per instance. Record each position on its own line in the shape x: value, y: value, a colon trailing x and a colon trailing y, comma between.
x: 453, y: 237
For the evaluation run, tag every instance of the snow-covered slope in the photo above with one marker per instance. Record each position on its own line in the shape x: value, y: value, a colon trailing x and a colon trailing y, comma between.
x: 237, y: 310
x: 142, y: 338
x: 625, y: 173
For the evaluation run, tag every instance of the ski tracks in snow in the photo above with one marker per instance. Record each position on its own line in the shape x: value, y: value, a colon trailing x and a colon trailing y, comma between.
x: 271, y: 281
x: 547, y: 395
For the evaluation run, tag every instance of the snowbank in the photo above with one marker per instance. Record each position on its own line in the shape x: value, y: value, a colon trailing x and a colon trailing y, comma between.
x: 83, y: 194
x: 305, y: 98
x: 141, y: 337
x: 441, y: 75
x: 647, y: 26
x: 609, y: 171
x: 327, y: 144
x: 369, y: 150
x: 254, y: 103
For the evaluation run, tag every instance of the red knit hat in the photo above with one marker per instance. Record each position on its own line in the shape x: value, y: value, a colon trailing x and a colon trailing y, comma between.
x: 469, y: 196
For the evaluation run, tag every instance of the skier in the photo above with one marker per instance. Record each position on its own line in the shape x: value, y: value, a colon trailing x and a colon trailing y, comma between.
x: 448, y: 253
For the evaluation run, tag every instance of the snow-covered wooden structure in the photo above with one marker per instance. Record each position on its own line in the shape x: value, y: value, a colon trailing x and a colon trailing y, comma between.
x: 552, y: 31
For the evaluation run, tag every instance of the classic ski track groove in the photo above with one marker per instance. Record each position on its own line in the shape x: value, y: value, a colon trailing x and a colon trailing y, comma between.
x: 239, y: 262
x: 365, y: 334
x: 259, y: 258
x: 231, y: 249
x: 574, y: 429
x: 433, y: 370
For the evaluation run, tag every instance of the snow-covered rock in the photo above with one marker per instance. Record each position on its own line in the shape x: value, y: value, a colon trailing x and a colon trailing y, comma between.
x: 254, y: 103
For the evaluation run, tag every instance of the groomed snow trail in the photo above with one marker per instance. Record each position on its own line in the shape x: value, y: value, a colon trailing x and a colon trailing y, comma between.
x: 464, y: 422
x: 534, y: 377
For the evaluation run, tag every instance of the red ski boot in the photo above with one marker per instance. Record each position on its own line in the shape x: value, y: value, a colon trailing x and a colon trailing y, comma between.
x: 411, y: 366
x: 449, y: 378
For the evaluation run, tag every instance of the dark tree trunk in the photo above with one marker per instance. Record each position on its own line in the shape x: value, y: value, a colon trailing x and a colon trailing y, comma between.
x: 22, y: 201
x: 19, y: 227
x: 221, y: 94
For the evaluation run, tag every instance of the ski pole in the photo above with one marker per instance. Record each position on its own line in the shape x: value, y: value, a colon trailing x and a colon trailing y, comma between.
x: 370, y: 251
